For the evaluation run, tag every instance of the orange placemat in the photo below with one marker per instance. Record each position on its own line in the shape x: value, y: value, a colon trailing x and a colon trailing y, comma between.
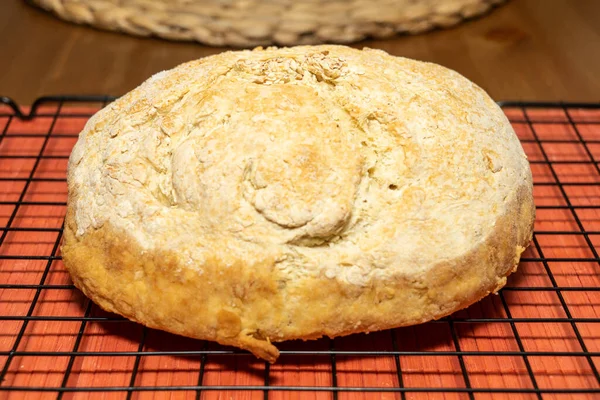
x: 539, y: 338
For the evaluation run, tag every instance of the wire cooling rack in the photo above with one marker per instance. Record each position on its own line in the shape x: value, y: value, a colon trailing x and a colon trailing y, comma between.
x: 538, y: 338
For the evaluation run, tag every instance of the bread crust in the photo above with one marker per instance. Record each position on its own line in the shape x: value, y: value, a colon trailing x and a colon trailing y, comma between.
x: 267, y: 287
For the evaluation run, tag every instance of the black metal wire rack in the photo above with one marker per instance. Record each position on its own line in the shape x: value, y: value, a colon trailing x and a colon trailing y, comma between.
x: 539, y: 338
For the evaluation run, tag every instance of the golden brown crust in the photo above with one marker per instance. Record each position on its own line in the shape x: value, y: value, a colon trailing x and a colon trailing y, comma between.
x: 102, y: 265
x: 239, y: 251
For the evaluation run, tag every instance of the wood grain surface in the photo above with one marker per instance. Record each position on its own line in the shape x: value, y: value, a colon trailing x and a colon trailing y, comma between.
x: 524, y: 50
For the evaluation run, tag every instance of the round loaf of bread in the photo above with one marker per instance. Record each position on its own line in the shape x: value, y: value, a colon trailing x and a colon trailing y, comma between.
x: 258, y: 196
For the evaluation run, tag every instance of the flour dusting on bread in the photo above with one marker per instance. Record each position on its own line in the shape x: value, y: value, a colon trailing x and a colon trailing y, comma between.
x: 297, y: 192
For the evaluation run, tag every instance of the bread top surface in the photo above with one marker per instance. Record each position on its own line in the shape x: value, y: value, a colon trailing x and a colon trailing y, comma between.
x: 333, y: 162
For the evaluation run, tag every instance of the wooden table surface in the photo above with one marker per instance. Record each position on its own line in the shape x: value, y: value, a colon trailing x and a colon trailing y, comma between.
x: 546, y: 50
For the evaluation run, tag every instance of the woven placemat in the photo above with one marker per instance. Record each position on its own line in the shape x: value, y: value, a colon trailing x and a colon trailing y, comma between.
x: 244, y: 23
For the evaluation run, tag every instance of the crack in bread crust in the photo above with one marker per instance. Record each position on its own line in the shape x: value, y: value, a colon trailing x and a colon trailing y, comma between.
x: 255, y: 197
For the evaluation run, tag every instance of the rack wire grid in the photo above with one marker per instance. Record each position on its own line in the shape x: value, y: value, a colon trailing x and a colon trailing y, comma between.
x: 539, y: 338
